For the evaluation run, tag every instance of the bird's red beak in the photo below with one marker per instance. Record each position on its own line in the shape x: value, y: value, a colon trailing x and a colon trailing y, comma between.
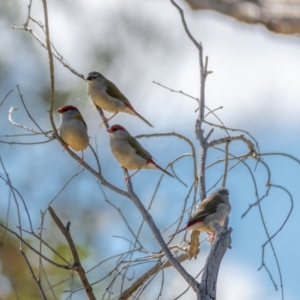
x: 60, y: 110
x: 109, y: 130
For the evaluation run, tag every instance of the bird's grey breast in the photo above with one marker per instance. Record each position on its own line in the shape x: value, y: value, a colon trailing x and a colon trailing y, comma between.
x: 126, y: 155
x: 100, y: 97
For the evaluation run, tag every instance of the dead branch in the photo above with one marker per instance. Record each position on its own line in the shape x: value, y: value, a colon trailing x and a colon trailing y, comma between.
x: 65, y: 230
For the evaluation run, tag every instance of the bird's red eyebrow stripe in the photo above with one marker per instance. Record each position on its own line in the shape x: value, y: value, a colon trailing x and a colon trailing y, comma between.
x: 116, y: 127
x: 66, y: 108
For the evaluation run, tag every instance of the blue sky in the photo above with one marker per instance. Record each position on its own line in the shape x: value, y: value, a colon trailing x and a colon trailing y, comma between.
x: 255, y: 79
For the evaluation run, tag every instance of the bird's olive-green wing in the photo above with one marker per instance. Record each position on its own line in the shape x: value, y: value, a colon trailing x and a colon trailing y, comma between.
x: 79, y: 117
x: 114, y: 92
x: 207, y: 207
x: 138, y: 147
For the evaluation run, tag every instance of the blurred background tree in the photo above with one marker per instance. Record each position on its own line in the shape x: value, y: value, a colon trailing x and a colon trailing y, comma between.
x: 280, y: 16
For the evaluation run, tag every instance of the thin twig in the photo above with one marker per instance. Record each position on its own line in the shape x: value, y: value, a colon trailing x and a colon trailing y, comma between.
x: 28, y: 113
x: 67, y: 267
x: 11, y: 110
x: 38, y: 282
x: 226, y: 164
x: 6, y: 97
x: 51, y: 66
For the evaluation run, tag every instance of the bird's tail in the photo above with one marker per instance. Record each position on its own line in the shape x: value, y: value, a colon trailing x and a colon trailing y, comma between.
x: 143, y: 119
x: 160, y: 168
x: 180, y: 230
x: 132, y: 111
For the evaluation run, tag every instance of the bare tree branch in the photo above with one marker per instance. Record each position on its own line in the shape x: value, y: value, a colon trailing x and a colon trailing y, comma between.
x: 65, y: 230
x: 148, y: 219
x: 221, y: 242
x: 158, y: 267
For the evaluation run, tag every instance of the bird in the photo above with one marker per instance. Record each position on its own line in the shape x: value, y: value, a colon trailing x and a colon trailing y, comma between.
x: 215, y: 207
x: 108, y: 97
x: 73, y: 129
x: 129, y: 152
